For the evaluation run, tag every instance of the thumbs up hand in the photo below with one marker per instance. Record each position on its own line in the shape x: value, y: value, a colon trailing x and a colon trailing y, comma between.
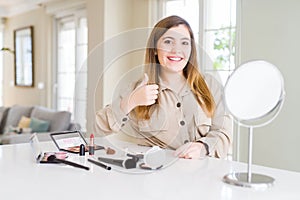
x: 142, y: 95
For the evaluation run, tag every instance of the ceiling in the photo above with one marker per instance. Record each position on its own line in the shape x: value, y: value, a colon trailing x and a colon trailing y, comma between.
x: 10, y: 8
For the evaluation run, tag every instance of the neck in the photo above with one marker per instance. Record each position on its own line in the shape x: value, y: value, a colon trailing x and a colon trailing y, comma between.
x: 174, y: 80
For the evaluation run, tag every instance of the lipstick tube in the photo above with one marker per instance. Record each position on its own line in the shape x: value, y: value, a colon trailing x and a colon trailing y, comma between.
x: 92, y: 145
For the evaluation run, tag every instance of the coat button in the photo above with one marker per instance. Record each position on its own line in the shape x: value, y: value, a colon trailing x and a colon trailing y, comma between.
x: 182, y: 123
x: 124, y: 119
x: 178, y: 104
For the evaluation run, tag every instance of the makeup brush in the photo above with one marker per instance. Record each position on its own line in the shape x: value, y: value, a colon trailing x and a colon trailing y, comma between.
x: 53, y: 158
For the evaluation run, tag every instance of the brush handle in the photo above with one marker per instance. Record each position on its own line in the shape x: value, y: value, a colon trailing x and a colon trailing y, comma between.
x: 72, y: 164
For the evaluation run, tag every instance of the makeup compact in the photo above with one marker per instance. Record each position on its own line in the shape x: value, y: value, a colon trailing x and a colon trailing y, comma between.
x: 70, y: 141
x: 39, y: 155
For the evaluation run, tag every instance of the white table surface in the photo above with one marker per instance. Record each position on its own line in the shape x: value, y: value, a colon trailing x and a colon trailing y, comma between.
x: 22, y: 178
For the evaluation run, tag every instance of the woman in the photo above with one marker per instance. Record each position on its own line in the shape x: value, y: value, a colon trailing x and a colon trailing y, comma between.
x: 173, y: 106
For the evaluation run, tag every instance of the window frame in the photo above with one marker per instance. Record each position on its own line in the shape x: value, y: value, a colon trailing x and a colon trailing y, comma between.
x: 75, y: 17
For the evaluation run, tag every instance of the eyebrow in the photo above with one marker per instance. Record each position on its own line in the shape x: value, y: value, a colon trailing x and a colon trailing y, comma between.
x: 169, y: 37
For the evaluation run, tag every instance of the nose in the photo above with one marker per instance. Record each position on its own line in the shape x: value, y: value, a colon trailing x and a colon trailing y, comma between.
x: 176, y: 48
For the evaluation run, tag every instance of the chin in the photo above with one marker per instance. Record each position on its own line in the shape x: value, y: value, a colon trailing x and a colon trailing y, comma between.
x: 175, y: 70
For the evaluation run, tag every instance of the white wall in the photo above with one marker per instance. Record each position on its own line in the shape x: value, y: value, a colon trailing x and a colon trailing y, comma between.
x: 95, y: 16
x: 119, y: 19
x: 270, y: 30
x: 41, y: 23
x: 110, y: 55
x: 122, y: 18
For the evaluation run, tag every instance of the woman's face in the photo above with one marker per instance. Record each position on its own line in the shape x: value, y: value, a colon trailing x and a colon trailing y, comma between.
x: 174, y: 49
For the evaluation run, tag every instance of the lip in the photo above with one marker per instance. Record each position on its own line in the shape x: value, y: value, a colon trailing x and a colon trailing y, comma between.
x: 175, y: 58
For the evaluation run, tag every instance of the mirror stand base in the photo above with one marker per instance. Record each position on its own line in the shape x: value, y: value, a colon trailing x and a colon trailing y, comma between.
x: 258, y: 181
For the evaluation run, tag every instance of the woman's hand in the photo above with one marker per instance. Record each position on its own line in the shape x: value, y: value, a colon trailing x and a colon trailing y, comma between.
x: 142, y: 95
x: 191, y: 150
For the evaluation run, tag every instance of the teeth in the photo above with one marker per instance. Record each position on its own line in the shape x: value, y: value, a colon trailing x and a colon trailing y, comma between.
x: 175, y: 58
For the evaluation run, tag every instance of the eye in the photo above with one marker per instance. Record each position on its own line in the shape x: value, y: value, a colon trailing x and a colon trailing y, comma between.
x: 167, y: 41
x: 186, y: 43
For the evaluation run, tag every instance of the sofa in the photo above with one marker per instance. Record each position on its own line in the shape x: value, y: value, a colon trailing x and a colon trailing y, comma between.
x: 17, y: 123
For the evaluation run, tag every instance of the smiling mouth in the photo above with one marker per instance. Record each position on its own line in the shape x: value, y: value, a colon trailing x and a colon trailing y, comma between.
x: 175, y: 58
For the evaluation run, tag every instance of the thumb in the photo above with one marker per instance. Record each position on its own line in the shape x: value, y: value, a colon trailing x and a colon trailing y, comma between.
x: 144, y: 81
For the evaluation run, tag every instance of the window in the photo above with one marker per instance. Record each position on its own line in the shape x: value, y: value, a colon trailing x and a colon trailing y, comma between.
x: 214, y: 25
x: 219, y: 36
x: 71, y: 77
x: 1, y: 63
x: 189, y: 10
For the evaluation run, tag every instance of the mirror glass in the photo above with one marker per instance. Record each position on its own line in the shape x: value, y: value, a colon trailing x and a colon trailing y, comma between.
x: 23, y: 45
x: 253, y: 91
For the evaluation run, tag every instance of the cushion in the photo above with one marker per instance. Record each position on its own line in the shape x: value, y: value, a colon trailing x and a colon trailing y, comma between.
x: 38, y: 125
x: 59, y: 120
x: 15, y: 113
x: 3, y: 116
x: 24, y: 122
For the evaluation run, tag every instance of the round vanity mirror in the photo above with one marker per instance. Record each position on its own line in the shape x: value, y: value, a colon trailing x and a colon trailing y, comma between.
x: 254, y: 95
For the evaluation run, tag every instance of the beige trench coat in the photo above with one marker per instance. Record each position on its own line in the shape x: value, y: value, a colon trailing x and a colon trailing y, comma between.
x: 177, y: 119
